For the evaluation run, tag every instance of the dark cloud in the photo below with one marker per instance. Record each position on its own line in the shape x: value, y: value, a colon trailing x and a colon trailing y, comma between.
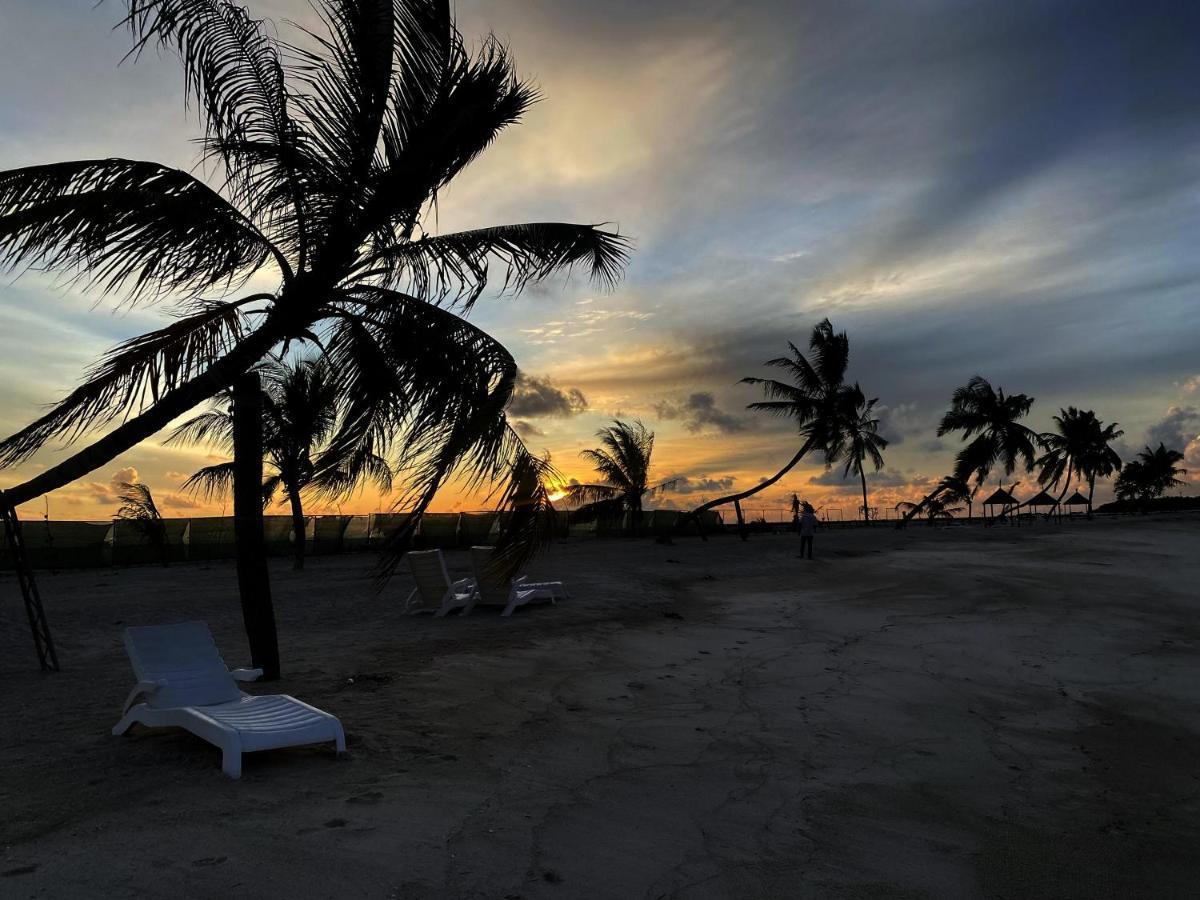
x: 1178, y: 428
x: 700, y: 411
x: 527, y: 429
x: 885, y: 478
x: 538, y: 397
x: 701, y: 484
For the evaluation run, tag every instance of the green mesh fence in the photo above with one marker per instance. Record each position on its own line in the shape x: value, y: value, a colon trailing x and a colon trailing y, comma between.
x: 439, y: 530
x: 211, y: 538
x: 475, y: 529
x: 329, y: 533
x: 132, y: 547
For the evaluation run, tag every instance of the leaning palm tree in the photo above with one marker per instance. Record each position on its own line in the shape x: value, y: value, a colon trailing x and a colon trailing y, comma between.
x: 300, y: 417
x: 855, y: 438
x: 812, y: 400
x: 330, y: 155
x: 935, y: 508
x: 992, y: 418
x: 623, y: 464
x: 139, y: 509
x: 950, y: 490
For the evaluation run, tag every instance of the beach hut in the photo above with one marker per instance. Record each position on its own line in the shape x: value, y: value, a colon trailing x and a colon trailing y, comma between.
x: 1076, y: 499
x: 1043, y: 499
x: 1001, y: 498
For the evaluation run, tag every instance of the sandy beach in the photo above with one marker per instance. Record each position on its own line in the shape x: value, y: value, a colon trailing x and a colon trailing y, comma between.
x: 937, y: 712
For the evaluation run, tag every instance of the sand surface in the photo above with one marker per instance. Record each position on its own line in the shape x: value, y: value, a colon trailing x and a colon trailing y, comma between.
x: 945, y: 713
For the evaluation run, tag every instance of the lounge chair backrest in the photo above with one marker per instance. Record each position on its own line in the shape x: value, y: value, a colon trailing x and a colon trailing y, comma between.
x: 429, y: 572
x: 185, y: 660
x: 492, y: 588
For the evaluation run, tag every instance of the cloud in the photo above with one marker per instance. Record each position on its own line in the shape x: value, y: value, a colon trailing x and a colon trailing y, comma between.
x: 178, y: 501
x: 527, y: 429
x: 538, y: 397
x: 885, y: 478
x: 898, y: 422
x: 127, y: 475
x: 700, y: 411
x: 701, y: 484
x: 1177, y: 429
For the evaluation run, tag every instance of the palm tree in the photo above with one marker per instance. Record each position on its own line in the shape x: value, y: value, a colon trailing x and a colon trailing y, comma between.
x: 329, y: 158
x: 1078, y: 448
x: 813, y: 400
x: 300, y: 417
x: 1150, y: 475
x: 992, y: 418
x: 949, y: 490
x: 935, y: 507
x: 138, y: 507
x: 623, y: 464
x: 855, y: 438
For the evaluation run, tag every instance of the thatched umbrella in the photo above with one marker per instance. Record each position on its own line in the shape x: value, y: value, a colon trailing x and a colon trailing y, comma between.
x: 1044, y: 498
x: 1077, y: 499
x: 1001, y: 498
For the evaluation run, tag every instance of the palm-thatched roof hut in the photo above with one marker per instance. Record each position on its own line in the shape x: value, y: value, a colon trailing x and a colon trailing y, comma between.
x: 1076, y: 499
x: 1000, y: 498
x: 1043, y: 498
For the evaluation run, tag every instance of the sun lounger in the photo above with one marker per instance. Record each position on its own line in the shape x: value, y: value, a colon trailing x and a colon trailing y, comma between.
x: 184, y: 683
x: 434, y: 586
x: 494, y: 591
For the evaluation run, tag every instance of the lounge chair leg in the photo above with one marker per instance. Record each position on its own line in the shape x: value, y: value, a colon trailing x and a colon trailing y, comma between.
x: 231, y: 763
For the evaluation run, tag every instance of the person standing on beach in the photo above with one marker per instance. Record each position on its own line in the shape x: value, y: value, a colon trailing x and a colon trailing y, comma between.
x: 808, y: 527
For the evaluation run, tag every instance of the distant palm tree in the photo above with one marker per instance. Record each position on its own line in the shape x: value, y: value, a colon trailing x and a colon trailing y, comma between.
x: 300, y: 419
x: 139, y: 509
x: 1150, y: 475
x: 855, y: 438
x: 623, y: 464
x: 331, y: 152
x: 815, y: 400
x: 950, y: 490
x: 1078, y: 448
x: 934, y: 507
x: 992, y: 418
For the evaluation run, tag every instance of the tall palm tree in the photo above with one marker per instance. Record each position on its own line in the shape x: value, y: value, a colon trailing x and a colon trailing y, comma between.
x: 330, y: 155
x: 855, y: 438
x: 1150, y: 475
x: 300, y: 418
x: 138, y: 507
x: 813, y: 400
x: 1100, y: 460
x: 935, y: 507
x: 1079, y: 447
x: 623, y: 464
x: 992, y: 418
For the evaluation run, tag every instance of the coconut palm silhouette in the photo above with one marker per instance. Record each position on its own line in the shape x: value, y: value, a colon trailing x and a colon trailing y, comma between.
x: 330, y: 157
x: 1079, y: 447
x: 623, y: 463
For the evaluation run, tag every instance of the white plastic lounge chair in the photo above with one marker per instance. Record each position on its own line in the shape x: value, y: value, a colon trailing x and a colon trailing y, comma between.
x: 183, y: 683
x: 434, y: 586
x: 493, y: 591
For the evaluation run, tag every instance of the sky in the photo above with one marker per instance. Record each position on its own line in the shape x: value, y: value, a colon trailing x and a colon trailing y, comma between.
x: 1007, y: 188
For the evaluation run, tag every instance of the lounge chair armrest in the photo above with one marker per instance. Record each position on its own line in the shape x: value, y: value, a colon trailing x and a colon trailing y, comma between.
x: 519, y: 581
x: 463, y: 584
x: 140, y: 690
x: 246, y: 674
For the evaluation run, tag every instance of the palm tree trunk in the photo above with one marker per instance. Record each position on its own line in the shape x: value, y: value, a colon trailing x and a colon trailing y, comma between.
x: 741, y: 519
x: 298, y: 528
x: 1091, y: 491
x: 254, y: 582
x: 866, y: 510
x: 721, y: 501
x: 172, y: 405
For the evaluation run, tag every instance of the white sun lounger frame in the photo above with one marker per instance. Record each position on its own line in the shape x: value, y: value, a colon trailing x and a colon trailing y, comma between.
x: 184, y: 683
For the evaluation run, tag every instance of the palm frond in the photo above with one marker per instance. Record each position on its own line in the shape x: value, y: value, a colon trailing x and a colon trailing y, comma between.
x: 134, y: 375
x: 119, y: 223
x: 211, y: 482
x: 457, y: 265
